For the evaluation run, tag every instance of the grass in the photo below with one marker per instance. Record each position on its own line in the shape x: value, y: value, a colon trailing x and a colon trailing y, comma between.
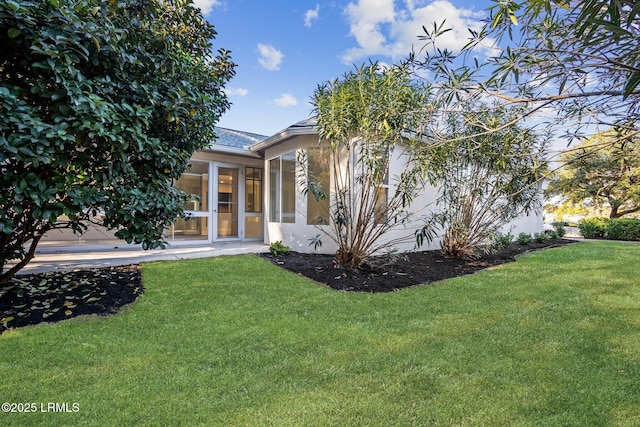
x: 551, y: 339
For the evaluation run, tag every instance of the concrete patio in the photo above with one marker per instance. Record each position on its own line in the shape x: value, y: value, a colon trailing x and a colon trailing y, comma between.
x: 54, y: 257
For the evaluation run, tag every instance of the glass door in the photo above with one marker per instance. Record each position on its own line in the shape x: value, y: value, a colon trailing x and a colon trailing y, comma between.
x: 195, y: 182
x: 227, y: 202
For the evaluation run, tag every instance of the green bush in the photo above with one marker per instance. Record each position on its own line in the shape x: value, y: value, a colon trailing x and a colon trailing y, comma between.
x: 559, y: 229
x: 524, y: 238
x: 593, y: 227
x: 278, y: 248
x: 540, y: 237
x: 501, y: 241
x: 623, y: 229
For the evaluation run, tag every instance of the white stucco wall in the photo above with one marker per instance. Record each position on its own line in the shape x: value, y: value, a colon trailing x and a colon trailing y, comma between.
x: 297, y: 235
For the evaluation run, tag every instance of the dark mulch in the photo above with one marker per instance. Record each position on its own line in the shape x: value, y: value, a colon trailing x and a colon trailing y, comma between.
x: 382, y: 274
x: 50, y: 297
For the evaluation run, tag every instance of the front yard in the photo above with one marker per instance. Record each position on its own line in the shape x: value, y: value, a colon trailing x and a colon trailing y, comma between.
x: 551, y: 339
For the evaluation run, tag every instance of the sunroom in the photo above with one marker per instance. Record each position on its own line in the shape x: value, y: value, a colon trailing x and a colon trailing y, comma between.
x: 226, y: 180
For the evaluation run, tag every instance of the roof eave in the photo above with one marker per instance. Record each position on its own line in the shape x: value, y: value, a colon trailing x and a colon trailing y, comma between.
x: 223, y: 149
x: 282, y: 136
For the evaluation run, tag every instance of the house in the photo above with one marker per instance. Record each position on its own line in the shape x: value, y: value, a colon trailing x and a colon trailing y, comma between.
x: 248, y: 189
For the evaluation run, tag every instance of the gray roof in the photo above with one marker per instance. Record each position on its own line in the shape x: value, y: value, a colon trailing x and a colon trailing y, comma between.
x: 303, y: 127
x: 252, y: 144
x: 309, y: 123
x: 235, y: 139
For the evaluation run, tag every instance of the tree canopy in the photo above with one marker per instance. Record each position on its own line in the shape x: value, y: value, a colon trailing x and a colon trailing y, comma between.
x: 102, y: 104
x: 485, y: 180
x: 602, y: 172
x: 570, y: 64
x: 363, y: 117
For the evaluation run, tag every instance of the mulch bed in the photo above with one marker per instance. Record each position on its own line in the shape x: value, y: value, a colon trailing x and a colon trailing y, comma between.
x: 382, y: 274
x: 50, y: 297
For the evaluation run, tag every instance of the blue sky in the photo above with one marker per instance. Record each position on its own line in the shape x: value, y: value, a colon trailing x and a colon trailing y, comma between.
x: 284, y: 49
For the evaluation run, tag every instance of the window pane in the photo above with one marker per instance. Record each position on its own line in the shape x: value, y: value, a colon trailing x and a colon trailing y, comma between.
x: 253, y: 227
x: 198, y: 168
x: 253, y: 190
x: 274, y: 190
x: 318, y: 169
x: 382, y: 194
x: 190, y: 229
x: 227, y: 202
x: 289, y: 187
x: 195, y: 182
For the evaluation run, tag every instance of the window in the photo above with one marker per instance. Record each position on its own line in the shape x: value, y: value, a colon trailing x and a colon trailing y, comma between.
x: 282, y: 188
x: 195, y: 228
x: 378, y: 161
x: 382, y: 199
x: 195, y: 182
x: 318, y: 169
x: 274, y: 190
x: 253, y: 190
x: 289, y: 187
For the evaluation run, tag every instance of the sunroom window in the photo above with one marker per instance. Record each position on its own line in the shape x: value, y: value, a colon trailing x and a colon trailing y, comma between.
x: 318, y: 170
x: 282, y: 188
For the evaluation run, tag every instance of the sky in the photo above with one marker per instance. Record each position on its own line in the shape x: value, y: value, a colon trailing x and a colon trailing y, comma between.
x: 286, y: 48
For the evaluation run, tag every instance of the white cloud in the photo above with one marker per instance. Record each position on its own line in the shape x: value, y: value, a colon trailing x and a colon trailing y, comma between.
x: 270, y: 57
x: 310, y: 15
x: 236, y: 91
x: 286, y: 100
x: 205, y: 5
x: 365, y: 19
x: 381, y: 28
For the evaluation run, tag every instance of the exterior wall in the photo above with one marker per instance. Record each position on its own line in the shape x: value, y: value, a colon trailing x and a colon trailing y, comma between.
x: 95, y: 234
x: 531, y: 223
x: 297, y: 235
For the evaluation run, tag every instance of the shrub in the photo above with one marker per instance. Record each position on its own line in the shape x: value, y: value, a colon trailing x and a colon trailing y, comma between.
x: 540, y: 237
x: 593, y: 227
x: 559, y: 229
x: 524, y: 238
x: 623, y: 229
x: 501, y: 241
x: 278, y: 248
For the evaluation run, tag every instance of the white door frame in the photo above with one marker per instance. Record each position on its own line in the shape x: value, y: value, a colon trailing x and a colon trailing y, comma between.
x: 214, y: 201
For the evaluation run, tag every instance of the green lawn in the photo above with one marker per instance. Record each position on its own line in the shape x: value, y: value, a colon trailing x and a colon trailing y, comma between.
x: 552, y: 339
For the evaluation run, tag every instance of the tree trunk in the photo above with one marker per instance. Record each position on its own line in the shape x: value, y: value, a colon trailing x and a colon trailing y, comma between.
x: 6, y: 276
x: 613, y: 213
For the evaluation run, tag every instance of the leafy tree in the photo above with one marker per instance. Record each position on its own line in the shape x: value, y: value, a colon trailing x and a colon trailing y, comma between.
x: 570, y: 64
x: 364, y: 116
x: 102, y: 105
x: 485, y: 179
x: 603, y: 172
x: 563, y: 68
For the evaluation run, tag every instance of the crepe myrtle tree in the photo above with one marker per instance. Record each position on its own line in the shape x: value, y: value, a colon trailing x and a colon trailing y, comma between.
x: 102, y: 104
x: 364, y: 116
x: 487, y: 173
